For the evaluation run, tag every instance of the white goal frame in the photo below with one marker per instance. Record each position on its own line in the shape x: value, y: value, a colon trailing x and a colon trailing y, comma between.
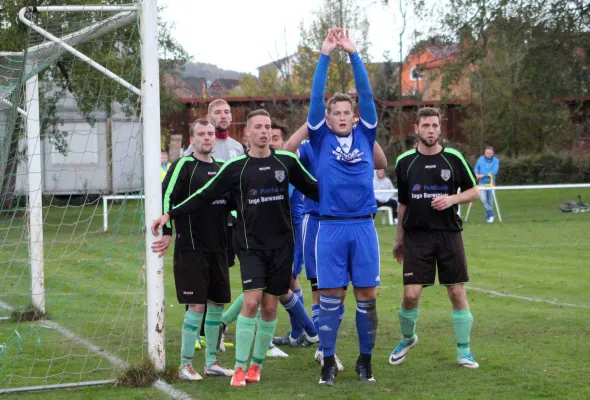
x: 150, y: 111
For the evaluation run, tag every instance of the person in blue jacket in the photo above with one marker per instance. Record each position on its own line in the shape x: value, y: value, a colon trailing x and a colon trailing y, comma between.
x: 487, y: 165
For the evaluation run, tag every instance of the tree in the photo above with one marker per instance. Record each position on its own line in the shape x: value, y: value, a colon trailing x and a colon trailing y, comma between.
x: 520, y: 55
x: 118, y: 51
x: 332, y: 13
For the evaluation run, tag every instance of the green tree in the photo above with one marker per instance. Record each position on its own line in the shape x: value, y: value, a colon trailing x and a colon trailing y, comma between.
x: 332, y: 13
x: 521, y: 56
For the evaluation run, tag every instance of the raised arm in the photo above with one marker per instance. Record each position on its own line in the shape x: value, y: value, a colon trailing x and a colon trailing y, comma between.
x: 295, y: 140
x: 379, y: 158
x: 367, y: 109
x: 317, y: 107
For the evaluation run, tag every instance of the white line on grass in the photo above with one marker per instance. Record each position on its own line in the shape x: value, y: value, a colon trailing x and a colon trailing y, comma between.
x: 533, y: 299
x: 514, y: 296
x: 159, y: 384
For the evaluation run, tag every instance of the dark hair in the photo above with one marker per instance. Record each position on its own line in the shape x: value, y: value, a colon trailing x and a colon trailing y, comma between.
x: 427, y: 112
x: 256, y: 113
x: 200, y: 121
x: 488, y: 147
x: 338, y: 97
x: 280, y: 126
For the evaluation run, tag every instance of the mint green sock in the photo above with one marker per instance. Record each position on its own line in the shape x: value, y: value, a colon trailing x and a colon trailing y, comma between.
x: 264, y: 334
x: 462, y: 320
x: 190, y: 331
x: 233, y: 311
x: 244, y: 337
x: 212, y: 327
x: 407, y: 322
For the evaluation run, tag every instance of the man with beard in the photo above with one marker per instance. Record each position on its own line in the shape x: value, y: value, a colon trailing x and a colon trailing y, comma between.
x: 201, y: 273
x: 429, y: 233
x: 260, y: 180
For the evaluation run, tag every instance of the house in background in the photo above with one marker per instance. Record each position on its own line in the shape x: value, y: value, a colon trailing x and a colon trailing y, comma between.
x: 221, y: 87
x: 284, y: 66
x: 422, y: 78
x: 185, y: 87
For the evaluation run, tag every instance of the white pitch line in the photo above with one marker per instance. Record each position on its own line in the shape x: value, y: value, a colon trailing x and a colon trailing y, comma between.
x: 159, y: 384
x: 533, y: 299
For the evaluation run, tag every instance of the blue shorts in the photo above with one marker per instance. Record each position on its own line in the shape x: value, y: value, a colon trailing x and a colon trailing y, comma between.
x: 347, y: 250
x: 298, y: 256
x: 311, y: 222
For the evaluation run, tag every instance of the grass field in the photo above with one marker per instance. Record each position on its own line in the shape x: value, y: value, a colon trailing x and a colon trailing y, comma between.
x: 531, y: 342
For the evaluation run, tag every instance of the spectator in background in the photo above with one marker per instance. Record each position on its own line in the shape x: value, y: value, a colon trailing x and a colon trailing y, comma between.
x: 486, y: 169
x: 164, y: 164
x: 381, y: 182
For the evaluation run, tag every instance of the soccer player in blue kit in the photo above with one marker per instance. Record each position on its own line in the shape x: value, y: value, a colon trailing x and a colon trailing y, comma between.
x: 347, y: 247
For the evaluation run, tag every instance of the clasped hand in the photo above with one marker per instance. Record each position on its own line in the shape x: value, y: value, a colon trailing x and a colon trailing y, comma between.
x: 338, y: 38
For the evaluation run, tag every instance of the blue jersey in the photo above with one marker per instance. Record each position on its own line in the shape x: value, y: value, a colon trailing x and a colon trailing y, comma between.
x: 308, y: 161
x: 345, y: 179
x: 296, y: 199
x: 344, y: 165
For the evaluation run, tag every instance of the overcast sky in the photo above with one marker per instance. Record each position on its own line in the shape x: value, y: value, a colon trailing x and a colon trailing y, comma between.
x: 242, y: 35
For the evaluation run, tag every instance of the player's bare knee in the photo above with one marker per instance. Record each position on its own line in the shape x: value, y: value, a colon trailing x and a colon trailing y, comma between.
x: 458, y: 296
x: 411, y: 298
x: 294, y: 285
x: 198, y: 308
x: 338, y: 292
x: 365, y: 293
x: 250, y: 306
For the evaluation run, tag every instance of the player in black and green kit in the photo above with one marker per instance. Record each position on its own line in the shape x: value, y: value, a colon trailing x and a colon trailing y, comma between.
x: 429, y: 233
x: 259, y: 183
x: 201, y: 269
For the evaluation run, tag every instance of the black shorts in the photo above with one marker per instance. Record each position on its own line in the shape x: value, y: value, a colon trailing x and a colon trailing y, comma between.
x: 201, y: 276
x: 425, y: 251
x: 267, y: 270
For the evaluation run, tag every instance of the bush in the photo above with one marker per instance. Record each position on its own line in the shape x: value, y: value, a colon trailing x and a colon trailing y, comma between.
x: 544, y: 168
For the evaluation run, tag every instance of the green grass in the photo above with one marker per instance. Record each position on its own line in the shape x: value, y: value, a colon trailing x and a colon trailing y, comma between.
x: 526, y: 349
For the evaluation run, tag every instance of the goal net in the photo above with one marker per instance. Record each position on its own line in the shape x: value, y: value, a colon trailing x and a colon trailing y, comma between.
x: 72, y: 297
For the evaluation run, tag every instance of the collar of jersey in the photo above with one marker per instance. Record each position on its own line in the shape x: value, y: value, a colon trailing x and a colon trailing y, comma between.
x: 345, y: 136
x: 222, y: 135
x: 430, y: 155
x: 196, y: 159
x: 272, y: 153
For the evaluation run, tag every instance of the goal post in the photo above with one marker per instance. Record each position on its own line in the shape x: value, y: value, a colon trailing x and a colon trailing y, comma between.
x: 94, y: 302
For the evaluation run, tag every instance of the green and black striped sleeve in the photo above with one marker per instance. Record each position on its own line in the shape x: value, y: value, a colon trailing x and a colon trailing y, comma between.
x: 300, y: 177
x: 215, y: 188
x: 170, y: 190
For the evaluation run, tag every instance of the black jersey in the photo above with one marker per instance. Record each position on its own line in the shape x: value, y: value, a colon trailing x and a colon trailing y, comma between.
x: 206, y: 230
x: 260, y: 189
x: 421, y: 178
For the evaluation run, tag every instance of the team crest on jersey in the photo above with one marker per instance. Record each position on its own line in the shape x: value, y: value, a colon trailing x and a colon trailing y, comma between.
x: 280, y: 175
x: 445, y: 174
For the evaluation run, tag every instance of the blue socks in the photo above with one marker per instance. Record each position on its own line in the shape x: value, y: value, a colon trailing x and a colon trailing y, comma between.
x: 300, y: 320
x: 366, y: 325
x: 329, y: 322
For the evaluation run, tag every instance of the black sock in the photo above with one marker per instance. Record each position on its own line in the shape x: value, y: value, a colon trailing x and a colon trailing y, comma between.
x: 364, y: 359
x: 329, y: 361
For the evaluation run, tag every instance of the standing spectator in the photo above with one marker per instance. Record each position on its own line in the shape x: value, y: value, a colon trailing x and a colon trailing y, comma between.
x: 164, y: 164
x: 486, y: 169
x: 381, y: 182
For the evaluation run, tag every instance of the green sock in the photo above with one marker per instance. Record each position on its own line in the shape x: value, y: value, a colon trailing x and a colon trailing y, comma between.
x: 244, y: 337
x: 212, y: 325
x: 462, y: 320
x: 264, y: 334
x: 407, y: 322
x: 190, y: 331
x: 233, y: 311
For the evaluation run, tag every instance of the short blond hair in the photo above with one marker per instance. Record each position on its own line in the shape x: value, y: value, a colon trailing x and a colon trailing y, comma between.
x: 216, y: 103
x: 200, y: 121
x: 338, y: 97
